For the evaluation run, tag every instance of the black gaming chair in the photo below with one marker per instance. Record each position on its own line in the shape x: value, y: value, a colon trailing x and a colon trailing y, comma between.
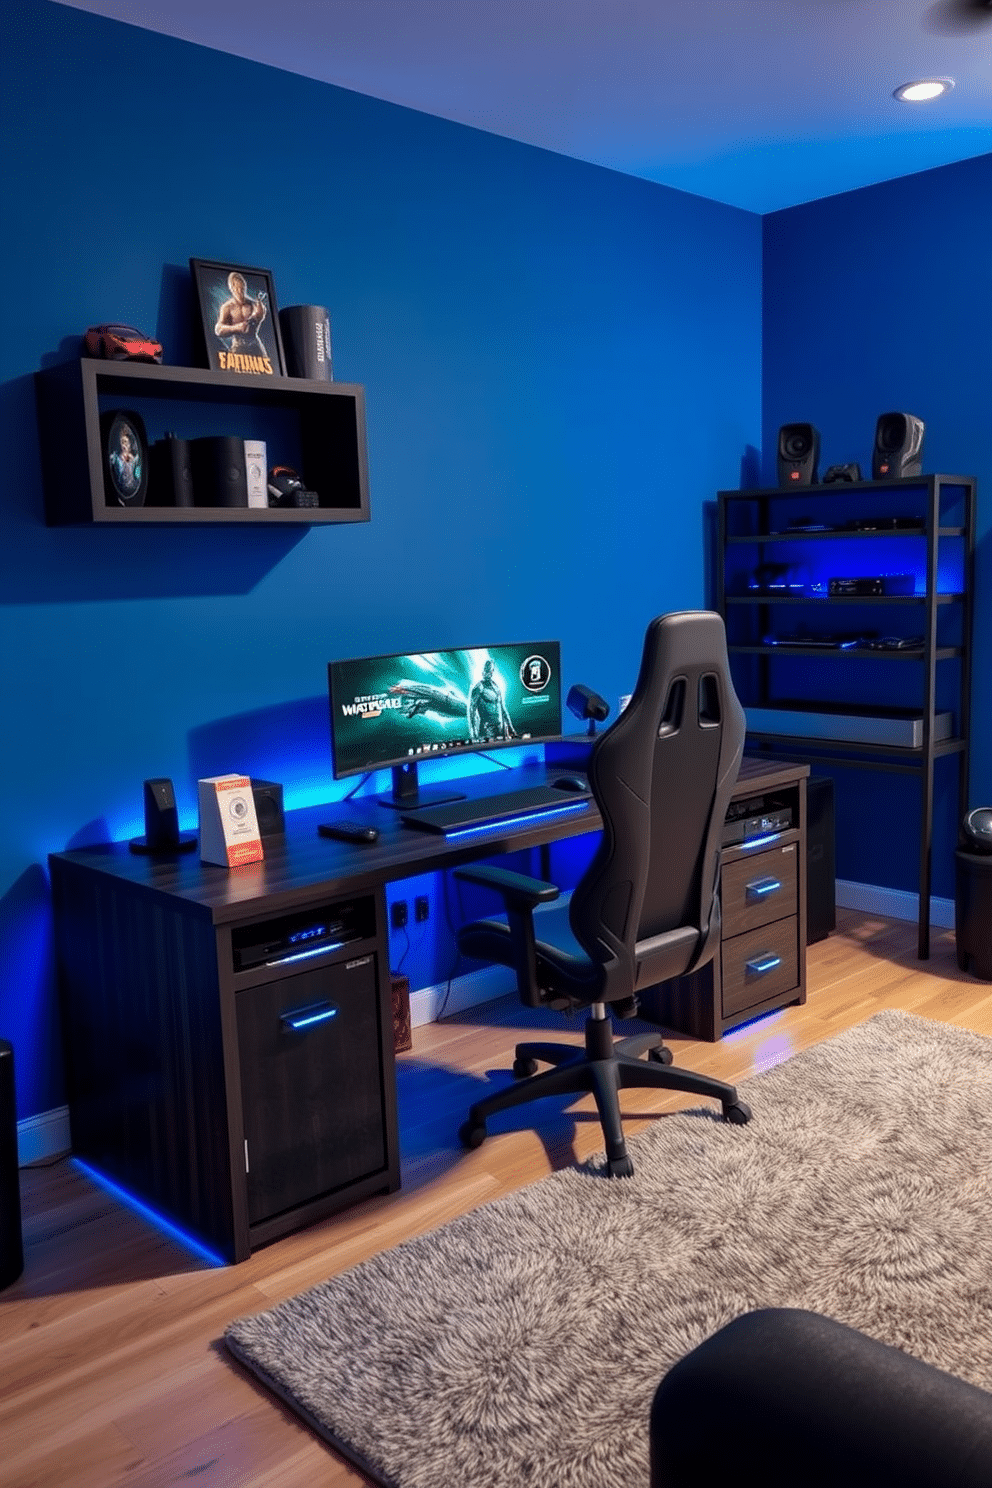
x: 647, y: 908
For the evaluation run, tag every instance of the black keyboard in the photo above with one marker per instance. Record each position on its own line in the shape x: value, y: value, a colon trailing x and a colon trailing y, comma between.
x: 463, y: 816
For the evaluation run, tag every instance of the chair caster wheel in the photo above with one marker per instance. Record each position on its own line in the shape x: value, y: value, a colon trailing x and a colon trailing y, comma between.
x: 660, y: 1055
x: 738, y: 1114
x: 472, y: 1133
x: 522, y: 1068
x: 620, y: 1167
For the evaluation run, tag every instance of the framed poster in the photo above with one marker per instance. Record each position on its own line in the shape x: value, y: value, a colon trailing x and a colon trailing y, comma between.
x: 239, y: 317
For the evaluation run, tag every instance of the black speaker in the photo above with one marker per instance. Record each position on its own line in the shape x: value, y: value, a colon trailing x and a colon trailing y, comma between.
x: 11, y: 1239
x: 898, y: 446
x: 162, y: 834
x: 268, y: 807
x: 798, y: 455
x: 171, y: 482
x: 306, y: 339
x: 821, y: 864
x: 220, y: 473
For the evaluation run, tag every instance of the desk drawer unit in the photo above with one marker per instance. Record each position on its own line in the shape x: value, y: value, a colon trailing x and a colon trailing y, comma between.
x: 760, y: 946
x: 761, y: 961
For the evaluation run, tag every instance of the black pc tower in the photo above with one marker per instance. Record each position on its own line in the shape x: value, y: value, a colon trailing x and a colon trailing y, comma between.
x: 821, y: 859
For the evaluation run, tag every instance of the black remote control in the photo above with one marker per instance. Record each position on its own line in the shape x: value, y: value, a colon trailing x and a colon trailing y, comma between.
x: 348, y: 831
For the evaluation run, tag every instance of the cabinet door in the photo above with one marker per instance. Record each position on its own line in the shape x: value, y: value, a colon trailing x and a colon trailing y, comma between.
x: 312, y: 1084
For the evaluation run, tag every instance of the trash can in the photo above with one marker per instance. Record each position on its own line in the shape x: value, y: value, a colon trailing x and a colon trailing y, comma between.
x: 973, y: 912
x: 11, y: 1243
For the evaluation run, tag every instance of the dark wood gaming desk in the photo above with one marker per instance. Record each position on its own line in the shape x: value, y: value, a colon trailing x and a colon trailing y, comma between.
x: 246, y: 1101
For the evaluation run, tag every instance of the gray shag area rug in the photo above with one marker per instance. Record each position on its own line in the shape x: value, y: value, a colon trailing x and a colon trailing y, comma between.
x: 522, y: 1343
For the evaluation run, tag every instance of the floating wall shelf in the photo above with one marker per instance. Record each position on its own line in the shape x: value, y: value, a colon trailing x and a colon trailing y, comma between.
x: 317, y: 428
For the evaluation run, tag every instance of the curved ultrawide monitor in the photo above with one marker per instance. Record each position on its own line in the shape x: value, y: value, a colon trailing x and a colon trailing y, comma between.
x: 398, y: 710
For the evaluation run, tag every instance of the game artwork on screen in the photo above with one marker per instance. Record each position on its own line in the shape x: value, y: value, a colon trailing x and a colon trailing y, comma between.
x: 394, y: 708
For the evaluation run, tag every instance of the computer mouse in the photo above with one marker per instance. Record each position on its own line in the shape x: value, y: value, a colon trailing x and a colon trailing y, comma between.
x: 571, y: 783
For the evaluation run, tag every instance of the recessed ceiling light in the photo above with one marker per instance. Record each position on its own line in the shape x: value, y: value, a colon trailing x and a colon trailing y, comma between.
x: 924, y: 90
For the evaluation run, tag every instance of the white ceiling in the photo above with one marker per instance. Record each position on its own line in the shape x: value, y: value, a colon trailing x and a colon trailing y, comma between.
x: 759, y: 103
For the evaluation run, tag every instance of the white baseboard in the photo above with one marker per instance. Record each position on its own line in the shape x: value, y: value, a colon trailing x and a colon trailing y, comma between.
x: 895, y: 904
x: 466, y: 991
x: 44, y: 1136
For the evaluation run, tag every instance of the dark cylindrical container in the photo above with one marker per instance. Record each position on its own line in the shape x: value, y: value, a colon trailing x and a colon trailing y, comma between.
x: 306, y: 340
x: 171, y: 482
x: 11, y: 1243
x: 220, y: 472
x: 973, y: 913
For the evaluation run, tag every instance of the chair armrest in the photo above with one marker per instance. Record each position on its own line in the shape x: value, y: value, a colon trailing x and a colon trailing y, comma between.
x: 517, y: 890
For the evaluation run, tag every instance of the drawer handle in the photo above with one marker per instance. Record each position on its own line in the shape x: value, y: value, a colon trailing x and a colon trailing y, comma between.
x: 761, y: 964
x: 307, y: 1017
x: 758, y: 888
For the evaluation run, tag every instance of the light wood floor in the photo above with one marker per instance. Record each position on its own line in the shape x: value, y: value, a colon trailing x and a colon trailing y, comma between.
x: 111, y: 1368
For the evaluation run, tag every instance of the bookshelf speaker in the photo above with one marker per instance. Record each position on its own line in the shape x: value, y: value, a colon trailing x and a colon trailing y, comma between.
x: 798, y: 455
x: 898, y: 447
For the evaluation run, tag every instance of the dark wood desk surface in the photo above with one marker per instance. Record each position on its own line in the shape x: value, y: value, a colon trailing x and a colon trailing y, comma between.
x: 300, y: 861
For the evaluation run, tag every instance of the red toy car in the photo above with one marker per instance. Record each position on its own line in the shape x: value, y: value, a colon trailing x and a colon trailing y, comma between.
x: 121, y: 343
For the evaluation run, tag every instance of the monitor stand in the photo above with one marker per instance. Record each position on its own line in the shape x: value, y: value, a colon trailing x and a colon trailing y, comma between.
x: 408, y: 794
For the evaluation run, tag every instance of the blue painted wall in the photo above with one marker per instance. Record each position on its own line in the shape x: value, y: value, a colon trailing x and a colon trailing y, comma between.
x: 562, y: 365
x: 879, y: 300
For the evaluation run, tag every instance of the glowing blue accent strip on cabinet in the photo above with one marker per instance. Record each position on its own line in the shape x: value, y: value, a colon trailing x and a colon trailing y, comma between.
x: 152, y: 1215
x: 306, y: 955
x: 761, y: 964
x: 306, y: 1017
x: 745, y: 1028
x: 758, y: 841
x: 763, y: 886
x: 553, y: 813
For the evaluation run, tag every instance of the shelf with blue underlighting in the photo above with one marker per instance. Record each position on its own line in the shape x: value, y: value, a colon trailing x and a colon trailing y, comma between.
x: 815, y: 580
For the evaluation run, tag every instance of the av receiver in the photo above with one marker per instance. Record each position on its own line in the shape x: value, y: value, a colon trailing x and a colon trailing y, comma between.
x: 298, y: 936
x: 755, y: 817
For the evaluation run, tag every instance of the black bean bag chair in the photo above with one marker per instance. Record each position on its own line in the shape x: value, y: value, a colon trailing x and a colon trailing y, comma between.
x: 795, y: 1400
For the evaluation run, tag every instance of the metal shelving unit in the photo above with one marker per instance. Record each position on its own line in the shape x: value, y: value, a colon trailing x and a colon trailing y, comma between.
x: 790, y: 632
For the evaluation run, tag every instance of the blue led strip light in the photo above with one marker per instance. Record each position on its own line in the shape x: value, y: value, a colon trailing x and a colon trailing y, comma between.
x: 758, y: 841
x: 764, y: 886
x: 552, y: 814
x: 307, y: 1017
x: 152, y: 1215
x: 306, y: 955
x: 761, y: 964
x: 749, y: 1027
